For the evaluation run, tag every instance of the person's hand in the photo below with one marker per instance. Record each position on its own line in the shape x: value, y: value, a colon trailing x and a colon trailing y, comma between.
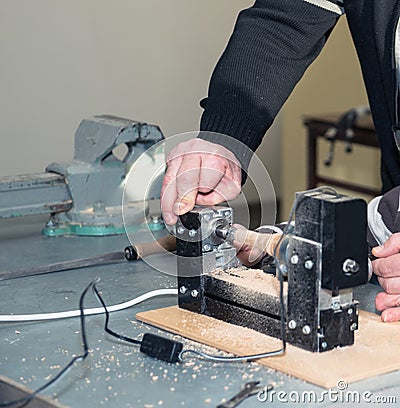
x: 199, y: 172
x: 387, y: 268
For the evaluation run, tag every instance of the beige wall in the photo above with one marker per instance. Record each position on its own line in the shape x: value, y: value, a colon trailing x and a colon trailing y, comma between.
x: 65, y: 60
x: 332, y: 84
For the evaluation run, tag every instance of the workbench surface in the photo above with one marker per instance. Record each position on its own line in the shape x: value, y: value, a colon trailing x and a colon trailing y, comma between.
x: 116, y: 374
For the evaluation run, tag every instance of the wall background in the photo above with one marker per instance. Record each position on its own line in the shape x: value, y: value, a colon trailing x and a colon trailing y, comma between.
x: 148, y: 60
x: 62, y: 61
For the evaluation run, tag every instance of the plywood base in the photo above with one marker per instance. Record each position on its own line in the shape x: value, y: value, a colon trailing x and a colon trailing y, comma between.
x: 375, y: 351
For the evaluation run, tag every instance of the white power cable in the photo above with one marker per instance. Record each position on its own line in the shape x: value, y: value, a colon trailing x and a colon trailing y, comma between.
x: 92, y: 311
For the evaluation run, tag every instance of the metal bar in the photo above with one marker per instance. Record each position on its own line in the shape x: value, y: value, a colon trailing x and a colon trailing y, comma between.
x: 32, y: 194
x: 363, y: 135
x: 348, y: 186
x: 112, y: 257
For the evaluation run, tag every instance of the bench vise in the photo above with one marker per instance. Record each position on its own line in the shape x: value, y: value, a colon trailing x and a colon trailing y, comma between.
x: 322, y: 258
x: 84, y: 197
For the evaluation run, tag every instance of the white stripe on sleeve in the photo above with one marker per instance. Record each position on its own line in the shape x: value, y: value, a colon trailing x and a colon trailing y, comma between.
x: 327, y: 5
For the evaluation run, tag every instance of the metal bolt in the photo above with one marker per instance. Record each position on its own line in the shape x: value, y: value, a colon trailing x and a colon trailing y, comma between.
x: 207, y: 217
x: 283, y: 269
x: 336, y: 304
x: 180, y: 230
x: 324, y: 344
x: 207, y: 247
x: 306, y: 329
x: 294, y: 259
x: 350, y: 311
x: 353, y: 327
x: 194, y: 293
x: 192, y: 233
x: 309, y: 264
x: 227, y: 213
x: 50, y: 224
x: 182, y: 290
x: 292, y: 324
x: 350, y: 267
x: 155, y: 219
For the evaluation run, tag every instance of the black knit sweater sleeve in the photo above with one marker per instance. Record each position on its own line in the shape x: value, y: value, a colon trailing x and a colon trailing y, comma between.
x: 272, y: 44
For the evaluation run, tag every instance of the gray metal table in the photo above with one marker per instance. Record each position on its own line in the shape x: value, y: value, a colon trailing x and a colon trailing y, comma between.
x: 115, y: 374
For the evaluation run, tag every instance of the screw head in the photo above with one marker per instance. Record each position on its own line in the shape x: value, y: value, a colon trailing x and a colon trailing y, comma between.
x: 292, y: 324
x: 324, y: 344
x: 306, y: 329
x: 180, y: 230
x: 192, y: 233
x: 182, y: 290
x: 294, y: 259
x: 350, y: 267
x: 353, y: 327
x: 207, y: 247
x: 308, y: 264
x: 350, y: 311
x: 194, y: 293
x: 283, y: 269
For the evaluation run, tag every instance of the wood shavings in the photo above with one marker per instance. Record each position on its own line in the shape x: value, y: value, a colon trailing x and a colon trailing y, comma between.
x: 252, y: 279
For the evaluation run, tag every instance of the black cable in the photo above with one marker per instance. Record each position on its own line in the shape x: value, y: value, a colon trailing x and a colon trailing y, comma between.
x: 82, y: 356
x: 106, y: 328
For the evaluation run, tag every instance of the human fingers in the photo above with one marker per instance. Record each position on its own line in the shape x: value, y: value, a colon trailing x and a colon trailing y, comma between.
x: 187, y: 183
x: 389, y: 305
x: 384, y: 301
x: 390, y: 285
x: 169, y: 192
x: 219, y: 167
x: 228, y: 188
x: 390, y: 247
x: 388, y: 267
x: 168, y: 199
x: 208, y: 174
x: 198, y: 172
x: 391, y: 315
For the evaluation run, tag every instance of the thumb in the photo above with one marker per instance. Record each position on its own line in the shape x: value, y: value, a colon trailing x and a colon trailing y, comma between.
x: 185, y: 203
x: 390, y: 247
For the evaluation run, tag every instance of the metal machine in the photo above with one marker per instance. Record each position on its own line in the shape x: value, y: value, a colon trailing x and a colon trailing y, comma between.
x: 322, y: 258
x: 84, y: 197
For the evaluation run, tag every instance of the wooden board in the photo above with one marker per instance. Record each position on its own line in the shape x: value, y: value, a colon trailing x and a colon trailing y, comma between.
x: 375, y: 351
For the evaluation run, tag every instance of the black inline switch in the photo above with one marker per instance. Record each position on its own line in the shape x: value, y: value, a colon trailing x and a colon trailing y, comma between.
x: 161, y: 348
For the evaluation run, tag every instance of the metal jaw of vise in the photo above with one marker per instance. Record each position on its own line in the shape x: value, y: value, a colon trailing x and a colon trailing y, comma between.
x: 84, y: 197
x: 323, y: 258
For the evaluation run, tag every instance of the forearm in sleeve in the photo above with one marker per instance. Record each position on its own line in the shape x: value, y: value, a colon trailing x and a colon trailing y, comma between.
x: 272, y: 44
